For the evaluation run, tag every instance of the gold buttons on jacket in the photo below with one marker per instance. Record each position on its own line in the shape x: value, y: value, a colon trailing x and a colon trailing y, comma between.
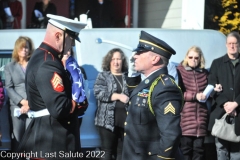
x: 149, y: 153
x: 125, y: 123
x: 127, y: 113
x: 130, y: 103
x: 125, y: 134
x: 68, y: 122
x: 49, y: 52
x: 138, y: 105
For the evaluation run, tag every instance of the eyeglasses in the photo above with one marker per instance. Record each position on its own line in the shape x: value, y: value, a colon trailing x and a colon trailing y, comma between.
x: 191, y: 57
x: 138, y: 53
x: 232, y: 44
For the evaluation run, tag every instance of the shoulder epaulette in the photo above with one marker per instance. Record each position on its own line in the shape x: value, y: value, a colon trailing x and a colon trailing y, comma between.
x: 47, y: 54
x: 166, y: 80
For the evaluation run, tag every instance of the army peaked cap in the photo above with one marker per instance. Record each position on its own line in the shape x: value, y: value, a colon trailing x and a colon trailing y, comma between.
x: 148, y: 42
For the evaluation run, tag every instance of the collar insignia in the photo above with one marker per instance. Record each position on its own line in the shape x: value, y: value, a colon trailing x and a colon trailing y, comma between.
x: 146, y: 81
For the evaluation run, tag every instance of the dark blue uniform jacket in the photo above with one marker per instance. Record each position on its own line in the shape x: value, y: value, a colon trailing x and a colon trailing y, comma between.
x: 155, y: 136
x: 48, y: 87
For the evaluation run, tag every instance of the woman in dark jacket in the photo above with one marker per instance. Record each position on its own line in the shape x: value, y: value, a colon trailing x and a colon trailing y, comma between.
x: 45, y: 7
x: 111, y: 92
x: 193, y: 81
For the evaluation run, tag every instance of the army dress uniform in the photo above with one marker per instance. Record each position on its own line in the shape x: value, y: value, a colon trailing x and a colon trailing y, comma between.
x: 153, y: 133
x: 151, y: 136
x: 48, y: 87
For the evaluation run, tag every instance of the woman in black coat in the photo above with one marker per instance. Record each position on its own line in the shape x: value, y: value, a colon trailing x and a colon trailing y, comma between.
x: 45, y: 7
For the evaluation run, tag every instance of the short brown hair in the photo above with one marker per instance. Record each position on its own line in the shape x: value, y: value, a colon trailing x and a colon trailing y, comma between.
x: 19, y: 44
x: 108, y: 58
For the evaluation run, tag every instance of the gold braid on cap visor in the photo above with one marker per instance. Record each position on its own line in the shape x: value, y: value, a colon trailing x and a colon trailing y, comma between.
x: 154, y: 45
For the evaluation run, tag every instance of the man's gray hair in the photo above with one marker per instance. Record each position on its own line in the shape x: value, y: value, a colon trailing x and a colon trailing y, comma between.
x: 164, y: 60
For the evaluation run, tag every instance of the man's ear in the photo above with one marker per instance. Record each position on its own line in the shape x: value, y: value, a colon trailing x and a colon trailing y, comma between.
x: 58, y: 36
x: 156, y: 59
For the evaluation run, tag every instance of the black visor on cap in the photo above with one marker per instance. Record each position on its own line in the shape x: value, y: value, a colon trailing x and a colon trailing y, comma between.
x: 72, y: 34
x: 141, y: 48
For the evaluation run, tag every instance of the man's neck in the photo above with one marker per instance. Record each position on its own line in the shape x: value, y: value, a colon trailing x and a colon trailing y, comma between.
x: 152, y: 70
x: 233, y: 56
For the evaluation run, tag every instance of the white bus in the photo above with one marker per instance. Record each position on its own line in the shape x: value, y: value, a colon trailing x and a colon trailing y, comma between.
x: 95, y: 43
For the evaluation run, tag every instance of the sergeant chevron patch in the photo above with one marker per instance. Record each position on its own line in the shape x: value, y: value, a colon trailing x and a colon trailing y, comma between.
x: 57, y: 83
x: 169, y: 108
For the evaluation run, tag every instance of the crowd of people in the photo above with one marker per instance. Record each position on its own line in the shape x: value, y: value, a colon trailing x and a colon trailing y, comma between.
x: 11, y: 13
x: 146, y: 115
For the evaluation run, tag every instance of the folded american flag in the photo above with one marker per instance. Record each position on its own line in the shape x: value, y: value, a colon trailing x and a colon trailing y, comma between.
x: 78, y: 92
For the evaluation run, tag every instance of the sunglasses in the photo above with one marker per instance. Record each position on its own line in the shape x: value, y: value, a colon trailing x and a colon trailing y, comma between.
x: 138, y: 53
x: 191, y: 57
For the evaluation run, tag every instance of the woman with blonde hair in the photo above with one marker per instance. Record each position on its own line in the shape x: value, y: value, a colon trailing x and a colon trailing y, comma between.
x: 193, y: 81
x: 15, y: 86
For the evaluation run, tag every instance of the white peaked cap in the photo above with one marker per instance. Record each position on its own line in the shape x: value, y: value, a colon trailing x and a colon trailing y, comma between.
x: 70, y: 26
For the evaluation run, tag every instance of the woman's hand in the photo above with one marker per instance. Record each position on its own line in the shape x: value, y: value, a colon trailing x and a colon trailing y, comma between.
x: 25, y: 108
x: 200, y: 96
x: 124, y: 98
x: 218, y: 88
x: 121, y: 97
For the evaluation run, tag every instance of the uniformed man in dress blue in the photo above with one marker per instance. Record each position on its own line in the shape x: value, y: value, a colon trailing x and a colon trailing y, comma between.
x: 152, y: 127
x: 53, y: 132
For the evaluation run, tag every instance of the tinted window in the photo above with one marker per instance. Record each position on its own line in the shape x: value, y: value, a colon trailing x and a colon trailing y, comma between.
x: 5, y: 58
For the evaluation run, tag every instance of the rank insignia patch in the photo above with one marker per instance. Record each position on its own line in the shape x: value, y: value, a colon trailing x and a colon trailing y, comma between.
x: 57, y: 83
x: 169, y: 108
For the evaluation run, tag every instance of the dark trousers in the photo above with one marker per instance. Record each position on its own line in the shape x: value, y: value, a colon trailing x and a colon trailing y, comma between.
x: 192, y: 147
x: 210, y: 151
x: 79, y: 126
x: 111, y: 143
x: 19, y: 125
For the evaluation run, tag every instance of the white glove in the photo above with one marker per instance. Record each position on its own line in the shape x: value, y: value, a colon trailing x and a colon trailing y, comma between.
x: 131, y: 71
x: 10, y: 19
x: 41, y: 18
